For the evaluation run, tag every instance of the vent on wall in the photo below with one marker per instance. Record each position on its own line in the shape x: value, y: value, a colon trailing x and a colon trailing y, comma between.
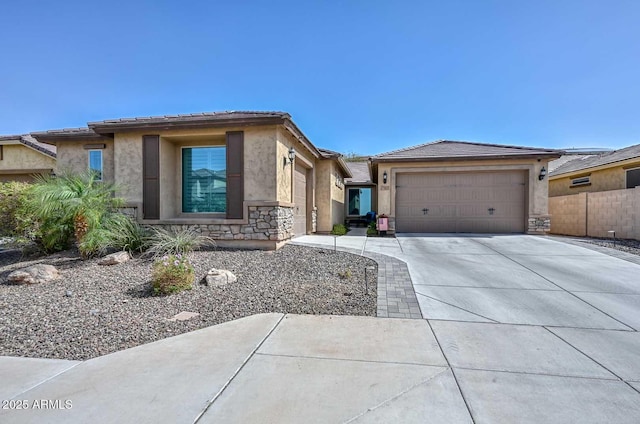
x: 581, y: 181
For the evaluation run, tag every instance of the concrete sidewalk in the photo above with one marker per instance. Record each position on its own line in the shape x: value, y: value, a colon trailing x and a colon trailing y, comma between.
x: 264, y: 368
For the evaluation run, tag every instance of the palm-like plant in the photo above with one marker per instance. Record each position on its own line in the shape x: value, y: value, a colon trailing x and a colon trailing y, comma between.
x: 71, y: 200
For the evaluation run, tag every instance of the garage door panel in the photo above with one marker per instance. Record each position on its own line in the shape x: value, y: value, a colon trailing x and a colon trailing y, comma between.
x: 483, y: 202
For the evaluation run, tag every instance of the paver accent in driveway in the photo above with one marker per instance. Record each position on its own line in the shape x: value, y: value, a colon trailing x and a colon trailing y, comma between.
x: 396, y: 296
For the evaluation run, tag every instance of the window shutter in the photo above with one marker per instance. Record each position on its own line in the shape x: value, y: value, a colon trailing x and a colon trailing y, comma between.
x: 151, y: 177
x: 235, y: 174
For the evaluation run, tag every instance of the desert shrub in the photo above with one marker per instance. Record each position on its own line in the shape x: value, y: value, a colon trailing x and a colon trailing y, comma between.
x: 14, y: 217
x: 172, y: 273
x: 339, y: 230
x: 166, y: 242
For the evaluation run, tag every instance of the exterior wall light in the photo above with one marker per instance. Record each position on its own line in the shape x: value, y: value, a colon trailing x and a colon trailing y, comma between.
x: 292, y: 155
x: 384, y: 177
x: 543, y: 173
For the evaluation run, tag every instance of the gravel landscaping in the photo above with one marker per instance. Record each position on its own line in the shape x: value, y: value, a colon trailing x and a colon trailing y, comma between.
x: 623, y: 245
x: 94, y: 310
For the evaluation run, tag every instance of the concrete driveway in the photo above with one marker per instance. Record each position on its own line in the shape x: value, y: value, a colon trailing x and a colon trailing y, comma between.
x: 534, y: 329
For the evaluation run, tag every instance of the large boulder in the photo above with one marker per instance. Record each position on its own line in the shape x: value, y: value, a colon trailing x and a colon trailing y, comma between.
x: 115, y: 258
x: 219, y: 277
x: 34, y: 274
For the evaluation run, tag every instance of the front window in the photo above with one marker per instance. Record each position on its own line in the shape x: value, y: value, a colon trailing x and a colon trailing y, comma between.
x: 204, y: 179
x: 95, y: 163
x: 359, y: 201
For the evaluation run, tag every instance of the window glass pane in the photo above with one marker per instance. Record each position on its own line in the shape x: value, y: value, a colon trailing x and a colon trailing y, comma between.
x: 95, y: 162
x: 359, y: 201
x: 204, y: 179
x: 633, y: 178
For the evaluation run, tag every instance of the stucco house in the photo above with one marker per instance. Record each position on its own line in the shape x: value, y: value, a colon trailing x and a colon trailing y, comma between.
x: 588, y: 173
x: 249, y: 179
x: 464, y: 187
x: 22, y: 157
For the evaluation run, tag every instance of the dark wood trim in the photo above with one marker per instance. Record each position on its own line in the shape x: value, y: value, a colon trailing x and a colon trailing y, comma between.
x: 1, y: 152
x: 151, y: 177
x: 235, y: 174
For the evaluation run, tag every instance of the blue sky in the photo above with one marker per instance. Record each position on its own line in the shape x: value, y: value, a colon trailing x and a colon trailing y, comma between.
x: 356, y: 76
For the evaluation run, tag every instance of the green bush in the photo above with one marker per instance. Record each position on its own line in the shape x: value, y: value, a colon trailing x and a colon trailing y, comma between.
x: 172, y: 273
x: 14, y: 219
x: 371, y: 229
x: 339, y: 230
x: 168, y: 242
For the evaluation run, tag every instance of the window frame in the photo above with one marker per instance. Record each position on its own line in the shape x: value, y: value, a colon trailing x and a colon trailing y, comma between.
x: 101, y: 162
x: 181, y: 185
x: 626, y: 176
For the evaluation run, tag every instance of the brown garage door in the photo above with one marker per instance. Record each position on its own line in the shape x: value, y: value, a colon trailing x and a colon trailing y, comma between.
x: 465, y: 202
x: 300, y: 200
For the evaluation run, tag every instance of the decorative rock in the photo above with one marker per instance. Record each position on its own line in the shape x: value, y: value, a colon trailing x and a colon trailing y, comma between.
x: 34, y: 274
x: 115, y: 258
x: 183, y: 316
x: 220, y: 277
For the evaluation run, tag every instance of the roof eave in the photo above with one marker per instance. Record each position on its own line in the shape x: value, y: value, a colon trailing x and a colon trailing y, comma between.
x: 111, y: 127
x: 53, y: 139
x: 466, y: 158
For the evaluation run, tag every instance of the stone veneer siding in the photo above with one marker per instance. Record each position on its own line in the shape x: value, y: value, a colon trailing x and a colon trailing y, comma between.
x: 273, y: 223
x: 314, y: 220
x: 539, y: 224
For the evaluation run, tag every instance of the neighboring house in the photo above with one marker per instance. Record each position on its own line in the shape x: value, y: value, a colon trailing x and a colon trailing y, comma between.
x: 612, y: 170
x: 597, y: 195
x: 360, y: 192
x: 464, y: 187
x: 22, y: 157
x: 250, y: 179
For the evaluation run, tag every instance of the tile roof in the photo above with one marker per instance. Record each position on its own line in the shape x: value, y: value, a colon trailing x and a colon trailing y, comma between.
x: 326, y: 153
x: 42, y: 147
x: 593, y: 161
x: 191, y: 117
x: 557, y: 163
x: 448, y: 149
x: 28, y: 140
x: 360, y: 172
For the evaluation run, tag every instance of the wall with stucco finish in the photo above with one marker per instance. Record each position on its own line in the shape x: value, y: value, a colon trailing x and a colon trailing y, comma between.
x: 329, y: 195
x: 128, y: 166
x: 19, y: 156
x: 260, y: 174
x: 537, y: 199
x: 73, y: 156
x: 285, y: 172
x: 612, y: 178
x: 324, y: 196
